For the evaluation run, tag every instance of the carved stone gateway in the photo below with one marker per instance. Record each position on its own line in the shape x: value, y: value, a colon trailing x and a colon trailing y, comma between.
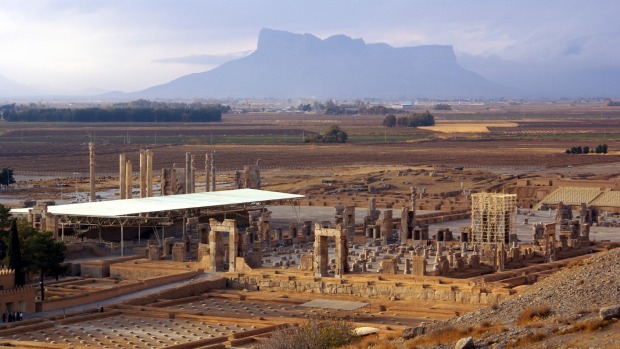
x: 219, y: 256
x: 321, y: 255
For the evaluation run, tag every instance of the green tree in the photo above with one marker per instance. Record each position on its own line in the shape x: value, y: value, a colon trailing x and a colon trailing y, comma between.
x: 15, y: 255
x: 43, y: 254
x: 424, y: 119
x: 389, y: 121
x: 5, y: 217
x: 5, y: 224
x: 6, y: 176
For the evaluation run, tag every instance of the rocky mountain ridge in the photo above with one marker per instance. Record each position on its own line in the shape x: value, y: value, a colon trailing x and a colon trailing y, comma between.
x: 287, y: 65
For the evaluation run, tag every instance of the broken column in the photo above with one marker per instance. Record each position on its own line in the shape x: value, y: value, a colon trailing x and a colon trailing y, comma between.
x: 387, y: 226
x: 418, y: 266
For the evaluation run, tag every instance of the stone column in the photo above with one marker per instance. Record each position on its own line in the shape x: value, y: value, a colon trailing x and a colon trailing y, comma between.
x: 342, y: 252
x: 192, y: 165
x: 207, y: 173
x: 188, y: 173
x: 245, y: 180
x: 404, y: 225
x: 93, y: 194
x: 128, y: 180
x: 414, y: 194
x: 213, y: 171
x: 257, y: 182
x: 122, y: 176
x: 149, y: 173
x: 142, y: 173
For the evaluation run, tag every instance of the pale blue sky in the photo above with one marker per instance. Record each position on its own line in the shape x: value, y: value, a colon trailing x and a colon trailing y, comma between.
x: 130, y: 45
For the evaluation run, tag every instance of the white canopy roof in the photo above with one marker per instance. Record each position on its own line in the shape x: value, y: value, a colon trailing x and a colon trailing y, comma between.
x: 129, y: 207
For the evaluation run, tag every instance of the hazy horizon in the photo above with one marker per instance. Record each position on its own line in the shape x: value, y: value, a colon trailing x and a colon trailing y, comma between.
x: 66, y: 46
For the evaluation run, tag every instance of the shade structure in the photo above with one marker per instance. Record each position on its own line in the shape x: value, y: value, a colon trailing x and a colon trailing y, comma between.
x: 205, y: 200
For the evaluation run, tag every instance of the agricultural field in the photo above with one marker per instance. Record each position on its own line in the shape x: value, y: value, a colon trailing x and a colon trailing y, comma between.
x: 522, y: 136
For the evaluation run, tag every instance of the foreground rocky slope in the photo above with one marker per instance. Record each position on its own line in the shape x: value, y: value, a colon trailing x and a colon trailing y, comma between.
x: 561, y: 311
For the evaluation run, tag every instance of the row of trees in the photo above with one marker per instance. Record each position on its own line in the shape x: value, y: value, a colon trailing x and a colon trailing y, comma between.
x: 413, y: 120
x: 207, y: 114
x: 359, y: 107
x: 600, y: 149
x: 26, y: 250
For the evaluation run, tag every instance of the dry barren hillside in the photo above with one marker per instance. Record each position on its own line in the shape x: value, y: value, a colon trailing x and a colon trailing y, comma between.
x: 561, y: 311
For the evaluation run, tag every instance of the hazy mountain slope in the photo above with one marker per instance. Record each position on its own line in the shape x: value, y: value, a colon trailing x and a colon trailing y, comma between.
x: 294, y: 65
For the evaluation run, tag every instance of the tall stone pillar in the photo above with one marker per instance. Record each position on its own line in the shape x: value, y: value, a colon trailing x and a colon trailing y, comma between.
x: 414, y: 194
x: 142, y: 173
x: 149, y: 173
x: 207, y: 173
x: 192, y: 165
x: 128, y: 180
x: 93, y: 193
x: 188, y: 173
x: 213, y: 171
x: 257, y: 182
x: 122, y: 176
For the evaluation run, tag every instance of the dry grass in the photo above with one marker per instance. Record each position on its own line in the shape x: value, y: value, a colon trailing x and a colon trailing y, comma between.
x: 456, y: 128
x: 587, y: 326
x: 533, y: 313
x: 527, y: 340
x: 450, y: 335
x: 374, y: 343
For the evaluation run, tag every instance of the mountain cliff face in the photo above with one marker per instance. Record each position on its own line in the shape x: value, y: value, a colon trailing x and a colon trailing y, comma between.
x: 287, y: 65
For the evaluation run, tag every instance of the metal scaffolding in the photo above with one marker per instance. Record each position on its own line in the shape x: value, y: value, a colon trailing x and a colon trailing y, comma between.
x: 493, y: 218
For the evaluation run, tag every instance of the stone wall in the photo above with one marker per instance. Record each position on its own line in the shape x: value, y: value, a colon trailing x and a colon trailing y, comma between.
x: 142, y: 269
x: 427, y: 288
